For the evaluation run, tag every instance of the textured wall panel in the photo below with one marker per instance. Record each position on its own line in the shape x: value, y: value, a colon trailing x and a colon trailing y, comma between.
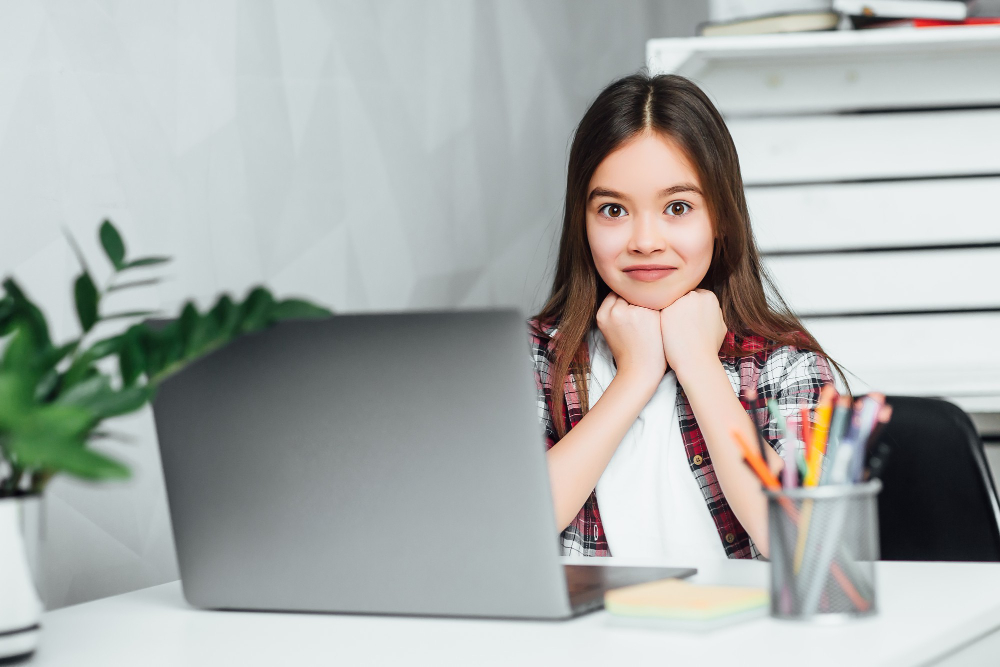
x: 367, y: 155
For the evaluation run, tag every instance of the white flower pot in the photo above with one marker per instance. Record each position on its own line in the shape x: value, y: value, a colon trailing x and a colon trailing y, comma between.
x: 20, y: 606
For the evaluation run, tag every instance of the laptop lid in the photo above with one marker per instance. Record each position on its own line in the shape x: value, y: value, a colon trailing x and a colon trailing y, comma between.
x: 384, y: 463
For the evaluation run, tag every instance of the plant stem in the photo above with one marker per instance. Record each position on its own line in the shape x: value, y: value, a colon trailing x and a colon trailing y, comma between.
x: 40, y: 479
x: 12, y: 484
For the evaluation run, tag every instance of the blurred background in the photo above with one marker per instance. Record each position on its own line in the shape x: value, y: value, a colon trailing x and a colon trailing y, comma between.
x: 381, y: 156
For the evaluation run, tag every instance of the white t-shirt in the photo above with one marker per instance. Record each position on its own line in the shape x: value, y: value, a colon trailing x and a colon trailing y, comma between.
x: 651, y: 505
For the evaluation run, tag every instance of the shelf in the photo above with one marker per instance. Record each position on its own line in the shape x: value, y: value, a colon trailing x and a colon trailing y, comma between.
x: 841, y: 70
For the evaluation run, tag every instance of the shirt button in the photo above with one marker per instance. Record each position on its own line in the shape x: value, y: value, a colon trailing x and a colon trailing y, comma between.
x: 730, y: 538
x: 697, y: 459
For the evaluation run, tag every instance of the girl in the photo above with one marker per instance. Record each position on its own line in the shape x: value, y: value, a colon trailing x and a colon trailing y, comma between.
x: 657, y: 325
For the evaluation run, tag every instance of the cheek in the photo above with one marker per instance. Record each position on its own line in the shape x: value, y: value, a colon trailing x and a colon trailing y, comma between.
x: 605, y: 248
x: 696, y: 249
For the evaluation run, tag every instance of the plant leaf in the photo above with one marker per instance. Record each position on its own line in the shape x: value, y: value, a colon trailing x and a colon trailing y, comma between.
x: 6, y: 315
x: 82, y: 393
x: 145, y: 261
x: 20, y: 356
x: 296, y: 309
x: 67, y: 455
x: 205, y: 337
x: 132, y: 313
x: 97, y: 397
x: 75, y: 247
x: 131, y: 358
x: 113, y: 435
x: 82, y: 366
x: 15, y: 400
x: 56, y: 354
x: 154, y: 346
x: 256, y: 310
x: 227, y: 317
x: 45, y: 369
x: 54, y: 422
x: 121, y: 402
x: 103, y: 347
x: 114, y: 246
x: 47, y: 386
x: 187, y: 322
x: 135, y: 283
x: 86, y: 301
x: 27, y: 312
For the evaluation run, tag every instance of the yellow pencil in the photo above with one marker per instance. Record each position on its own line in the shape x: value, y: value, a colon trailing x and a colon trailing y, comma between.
x: 820, y: 431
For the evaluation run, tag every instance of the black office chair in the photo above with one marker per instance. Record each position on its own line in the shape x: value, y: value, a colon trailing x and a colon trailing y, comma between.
x: 938, y: 501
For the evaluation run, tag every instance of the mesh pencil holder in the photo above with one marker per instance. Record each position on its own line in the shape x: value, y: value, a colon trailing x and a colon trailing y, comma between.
x: 823, y: 548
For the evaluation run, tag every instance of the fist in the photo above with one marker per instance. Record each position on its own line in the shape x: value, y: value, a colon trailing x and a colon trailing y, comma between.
x: 633, y: 334
x: 692, y: 329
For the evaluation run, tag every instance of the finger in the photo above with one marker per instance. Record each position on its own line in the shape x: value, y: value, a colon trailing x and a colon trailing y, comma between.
x: 619, y: 306
x: 606, y: 305
x: 707, y: 292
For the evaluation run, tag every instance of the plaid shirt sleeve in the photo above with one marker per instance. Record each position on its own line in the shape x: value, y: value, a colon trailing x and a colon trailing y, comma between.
x: 584, y: 535
x: 792, y: 377
x: 543, y: 385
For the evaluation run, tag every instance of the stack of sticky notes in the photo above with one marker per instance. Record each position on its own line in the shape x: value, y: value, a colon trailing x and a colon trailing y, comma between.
x: 680, y: 605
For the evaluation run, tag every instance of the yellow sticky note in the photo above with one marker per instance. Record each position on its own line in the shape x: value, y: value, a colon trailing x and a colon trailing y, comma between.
x: 676, y: 599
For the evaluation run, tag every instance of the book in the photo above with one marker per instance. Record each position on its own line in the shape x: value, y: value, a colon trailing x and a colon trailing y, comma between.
x: 771, y: 23
x: 946, y: 10
x: 923, y: 23
x: 682, y: 605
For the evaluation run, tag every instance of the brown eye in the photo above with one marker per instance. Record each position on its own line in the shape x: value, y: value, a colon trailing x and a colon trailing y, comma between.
x: 678, y: 208
x: 612, y: 210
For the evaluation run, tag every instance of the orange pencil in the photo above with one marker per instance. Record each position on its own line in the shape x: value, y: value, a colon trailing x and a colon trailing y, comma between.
x: 756, y: 462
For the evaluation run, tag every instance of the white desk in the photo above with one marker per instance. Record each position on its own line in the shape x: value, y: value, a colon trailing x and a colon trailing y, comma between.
x: 928, y: 610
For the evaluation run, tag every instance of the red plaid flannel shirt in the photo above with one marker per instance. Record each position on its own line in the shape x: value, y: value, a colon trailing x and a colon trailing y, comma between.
x: 792, y: 376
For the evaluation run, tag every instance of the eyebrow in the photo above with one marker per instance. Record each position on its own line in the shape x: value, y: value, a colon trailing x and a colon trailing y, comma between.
x: 666, y: 192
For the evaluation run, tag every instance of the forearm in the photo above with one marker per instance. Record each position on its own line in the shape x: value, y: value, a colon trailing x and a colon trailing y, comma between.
x: 578, y: 460
x: 719, y: 412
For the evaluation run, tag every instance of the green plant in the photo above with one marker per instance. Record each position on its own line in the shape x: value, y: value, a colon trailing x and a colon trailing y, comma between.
x: 54, y: 397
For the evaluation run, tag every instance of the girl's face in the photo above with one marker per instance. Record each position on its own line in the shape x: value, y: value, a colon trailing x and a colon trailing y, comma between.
x: 647, y: 222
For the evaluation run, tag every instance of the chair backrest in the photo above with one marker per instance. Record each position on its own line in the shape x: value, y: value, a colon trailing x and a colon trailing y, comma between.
x: 938, y: 501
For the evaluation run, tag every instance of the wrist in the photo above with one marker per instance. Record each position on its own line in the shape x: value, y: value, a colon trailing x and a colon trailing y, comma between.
x: 645, y: 380
x: 692, y: 369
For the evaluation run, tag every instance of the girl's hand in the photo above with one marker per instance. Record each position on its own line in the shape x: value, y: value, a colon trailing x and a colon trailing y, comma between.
x: 693, y: 331
x: 633, y: 334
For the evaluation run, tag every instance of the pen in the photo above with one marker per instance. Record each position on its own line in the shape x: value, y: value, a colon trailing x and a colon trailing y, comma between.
x: 789, y: 479
x: 884, y: 415
x: 838, y: 425
x: 870, y: 408
x: 804, y: 425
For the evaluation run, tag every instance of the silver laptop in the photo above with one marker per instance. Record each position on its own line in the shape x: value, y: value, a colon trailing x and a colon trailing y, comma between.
x: 370, y: 464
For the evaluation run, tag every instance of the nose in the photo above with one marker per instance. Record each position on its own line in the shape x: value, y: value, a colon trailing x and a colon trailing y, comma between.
x: 647, y: 236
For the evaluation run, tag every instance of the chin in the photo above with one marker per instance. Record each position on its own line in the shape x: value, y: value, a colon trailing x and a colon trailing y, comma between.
x: 651, y: 301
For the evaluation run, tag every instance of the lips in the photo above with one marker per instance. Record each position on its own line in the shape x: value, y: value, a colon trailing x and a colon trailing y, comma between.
x: 649, y: 272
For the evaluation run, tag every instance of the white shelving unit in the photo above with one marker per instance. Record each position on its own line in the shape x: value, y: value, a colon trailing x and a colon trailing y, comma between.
x: 871, y: 161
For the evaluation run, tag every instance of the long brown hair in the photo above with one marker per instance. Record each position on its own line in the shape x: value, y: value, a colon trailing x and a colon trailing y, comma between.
x: 674, y: 107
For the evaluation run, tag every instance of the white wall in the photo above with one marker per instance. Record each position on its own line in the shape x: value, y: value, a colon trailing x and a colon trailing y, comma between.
x: 366, y: 155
